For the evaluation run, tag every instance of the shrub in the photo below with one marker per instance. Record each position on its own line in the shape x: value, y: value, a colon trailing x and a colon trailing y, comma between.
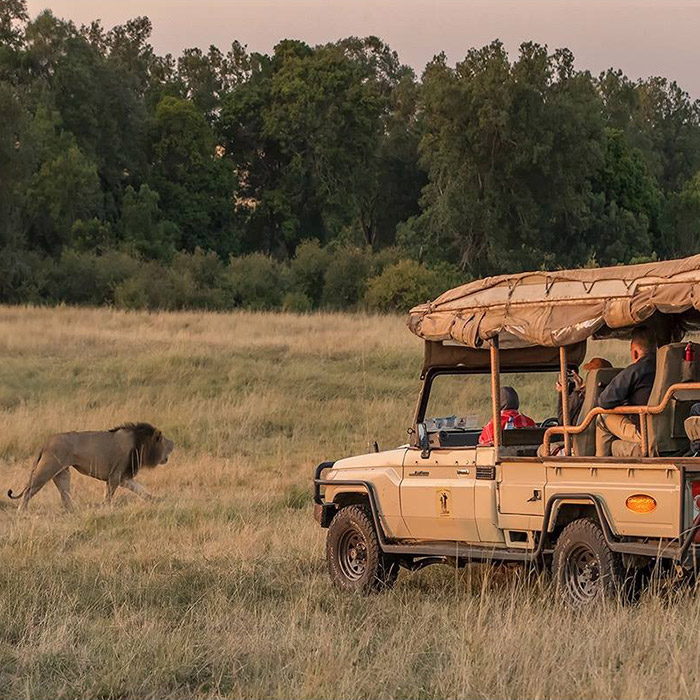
x: 448, y: 276
x: 153, y: 287
x: 296, y: 302
x: 255, y: 282
x: 92, y: 235
x: 308, y: 270
x: 384, y: 258
x: 402, y: 286
x: 346, y: 278
x: 200, y: 280
x: 87, y: 278
x: 25, y: 276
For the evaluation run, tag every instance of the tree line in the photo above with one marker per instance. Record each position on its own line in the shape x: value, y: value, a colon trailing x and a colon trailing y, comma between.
x: 321, y: 176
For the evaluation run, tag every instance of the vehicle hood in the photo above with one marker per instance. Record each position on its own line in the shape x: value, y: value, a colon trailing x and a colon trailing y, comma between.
x: 387, y: 458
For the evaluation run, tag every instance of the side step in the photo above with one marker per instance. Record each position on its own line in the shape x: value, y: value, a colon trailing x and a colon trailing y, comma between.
x: 457, y: 550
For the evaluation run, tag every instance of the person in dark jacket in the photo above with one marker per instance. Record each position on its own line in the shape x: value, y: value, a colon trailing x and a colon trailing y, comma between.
x: 631, y: 387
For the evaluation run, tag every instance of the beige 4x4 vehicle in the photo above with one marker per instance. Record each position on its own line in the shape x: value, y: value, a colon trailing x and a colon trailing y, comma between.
x: 536, y: 495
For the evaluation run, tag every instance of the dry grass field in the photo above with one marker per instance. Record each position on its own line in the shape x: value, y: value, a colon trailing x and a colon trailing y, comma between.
x: 220, y: 589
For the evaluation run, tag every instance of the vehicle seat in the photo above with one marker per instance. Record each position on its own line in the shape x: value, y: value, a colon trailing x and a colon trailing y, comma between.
x: 692, y: 430
x: 666, y: 430
x: 596, y: 381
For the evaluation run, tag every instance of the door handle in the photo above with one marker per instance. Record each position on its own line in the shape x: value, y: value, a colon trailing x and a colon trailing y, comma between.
x: 462, y: 471
x: 419, y: 473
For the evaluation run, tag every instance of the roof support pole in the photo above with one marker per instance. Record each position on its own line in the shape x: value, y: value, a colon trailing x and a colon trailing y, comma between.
x: 564, y: 384
x: 496, y: 397
x: 644, y: 433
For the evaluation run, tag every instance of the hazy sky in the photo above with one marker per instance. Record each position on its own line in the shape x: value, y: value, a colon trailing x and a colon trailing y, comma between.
x: 643, y: 37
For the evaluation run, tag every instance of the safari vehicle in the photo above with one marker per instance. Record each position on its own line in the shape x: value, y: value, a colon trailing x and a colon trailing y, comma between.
x: 535, y: 495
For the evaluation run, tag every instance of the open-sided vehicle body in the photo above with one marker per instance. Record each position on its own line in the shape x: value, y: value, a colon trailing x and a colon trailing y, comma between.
x: 535, y: 494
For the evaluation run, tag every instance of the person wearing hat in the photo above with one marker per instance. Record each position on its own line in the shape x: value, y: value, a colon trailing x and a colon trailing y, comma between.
x: 510, y: 416
x: 577, y: 389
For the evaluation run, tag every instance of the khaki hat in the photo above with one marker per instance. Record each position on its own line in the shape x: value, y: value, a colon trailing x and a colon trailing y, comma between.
x: 597, y: 363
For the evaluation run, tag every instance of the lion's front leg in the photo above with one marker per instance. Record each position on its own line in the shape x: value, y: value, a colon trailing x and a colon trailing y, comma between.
x: 139, y: 490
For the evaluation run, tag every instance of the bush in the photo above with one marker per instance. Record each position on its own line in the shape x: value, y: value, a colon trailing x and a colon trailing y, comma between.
x: 402, y: 286
x: 91, y: 236
x: 308, y: 270
x: 154, y: 287
x: 194, y: 281
x: 87, y: 278
x: 296, y: 302
x: 385, y: 257
x: 200, y: 280
x: 346, y: 278
x: 255, y: 282
x: 25, y: 276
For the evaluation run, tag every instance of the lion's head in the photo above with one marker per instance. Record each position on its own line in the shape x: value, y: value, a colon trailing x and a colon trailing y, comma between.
x: 151, y: 446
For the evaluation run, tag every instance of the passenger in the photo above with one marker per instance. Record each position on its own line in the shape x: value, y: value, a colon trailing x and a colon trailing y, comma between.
x: 577, y: 389
x: 631, y: 387
x: 510, y: 416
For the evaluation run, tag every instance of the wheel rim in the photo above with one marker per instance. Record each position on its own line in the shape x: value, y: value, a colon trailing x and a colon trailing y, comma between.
x: 582, y: 574
x: 352, y: 554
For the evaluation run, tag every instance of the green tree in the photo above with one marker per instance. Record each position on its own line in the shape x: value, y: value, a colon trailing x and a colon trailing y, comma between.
x: 66, y: 188
x: 142, y: 226
x: 308, y: 270
x: 626, y: 205
x: 326, y: 142
x: 195, y: 184
x: 681, y: 221
x: 510, y: 150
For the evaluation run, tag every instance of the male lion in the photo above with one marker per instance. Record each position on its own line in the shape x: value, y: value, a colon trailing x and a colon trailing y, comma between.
x: 114, y: 456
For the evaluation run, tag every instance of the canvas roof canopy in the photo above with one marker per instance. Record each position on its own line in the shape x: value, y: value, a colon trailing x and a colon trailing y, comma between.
x: 553, y: 309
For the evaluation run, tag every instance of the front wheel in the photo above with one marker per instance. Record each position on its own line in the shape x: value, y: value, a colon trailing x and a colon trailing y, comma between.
x: 584, y: 567
x: 355, y: 559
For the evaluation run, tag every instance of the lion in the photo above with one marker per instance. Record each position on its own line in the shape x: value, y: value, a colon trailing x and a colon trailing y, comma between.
x: 114, y: 456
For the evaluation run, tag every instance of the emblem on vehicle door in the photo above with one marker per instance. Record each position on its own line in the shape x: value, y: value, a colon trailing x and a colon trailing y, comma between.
x: 443, y: 502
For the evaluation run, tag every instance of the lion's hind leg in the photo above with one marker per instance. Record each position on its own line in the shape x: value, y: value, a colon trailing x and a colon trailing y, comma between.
x: 62, y: 482
x: 46, y: 469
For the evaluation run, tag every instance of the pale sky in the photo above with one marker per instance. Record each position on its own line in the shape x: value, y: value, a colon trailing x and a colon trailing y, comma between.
x: 642, y: 37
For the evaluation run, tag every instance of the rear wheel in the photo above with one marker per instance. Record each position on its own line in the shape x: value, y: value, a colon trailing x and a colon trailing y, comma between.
x: 584, y: 567
x: 355, y: 559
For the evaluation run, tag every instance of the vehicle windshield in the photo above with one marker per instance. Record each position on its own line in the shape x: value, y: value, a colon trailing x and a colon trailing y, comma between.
x: 463, y: 401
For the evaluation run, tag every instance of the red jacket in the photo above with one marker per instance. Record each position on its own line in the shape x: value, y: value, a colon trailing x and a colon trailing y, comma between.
x: 516, y: 419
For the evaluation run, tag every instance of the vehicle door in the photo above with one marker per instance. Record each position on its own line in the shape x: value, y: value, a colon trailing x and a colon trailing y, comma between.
x: 437, y: 489
x: 437, y: 494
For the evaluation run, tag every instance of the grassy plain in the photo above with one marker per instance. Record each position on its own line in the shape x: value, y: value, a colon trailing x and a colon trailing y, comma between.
x: 220, y: 590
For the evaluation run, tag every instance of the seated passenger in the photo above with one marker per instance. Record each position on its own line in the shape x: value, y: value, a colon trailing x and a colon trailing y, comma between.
x: 631, y: 387
x: 577, y: 389
x: 510, y: 416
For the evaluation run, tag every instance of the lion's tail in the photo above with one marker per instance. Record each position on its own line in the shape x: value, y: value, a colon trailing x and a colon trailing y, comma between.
x: 10, y: 493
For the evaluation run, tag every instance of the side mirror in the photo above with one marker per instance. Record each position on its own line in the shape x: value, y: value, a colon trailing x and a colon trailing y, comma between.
x: 423, y: 440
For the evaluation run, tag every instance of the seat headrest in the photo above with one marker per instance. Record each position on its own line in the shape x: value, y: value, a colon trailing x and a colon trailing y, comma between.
x: 604, y: 375
x: 692, y: 428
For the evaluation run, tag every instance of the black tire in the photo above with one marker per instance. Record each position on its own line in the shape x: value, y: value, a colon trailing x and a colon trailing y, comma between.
x: 355, y: 560
x: 585, y: 569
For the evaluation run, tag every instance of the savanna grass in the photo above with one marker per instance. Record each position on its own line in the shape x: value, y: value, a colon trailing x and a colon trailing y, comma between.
x: 220, y: 590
